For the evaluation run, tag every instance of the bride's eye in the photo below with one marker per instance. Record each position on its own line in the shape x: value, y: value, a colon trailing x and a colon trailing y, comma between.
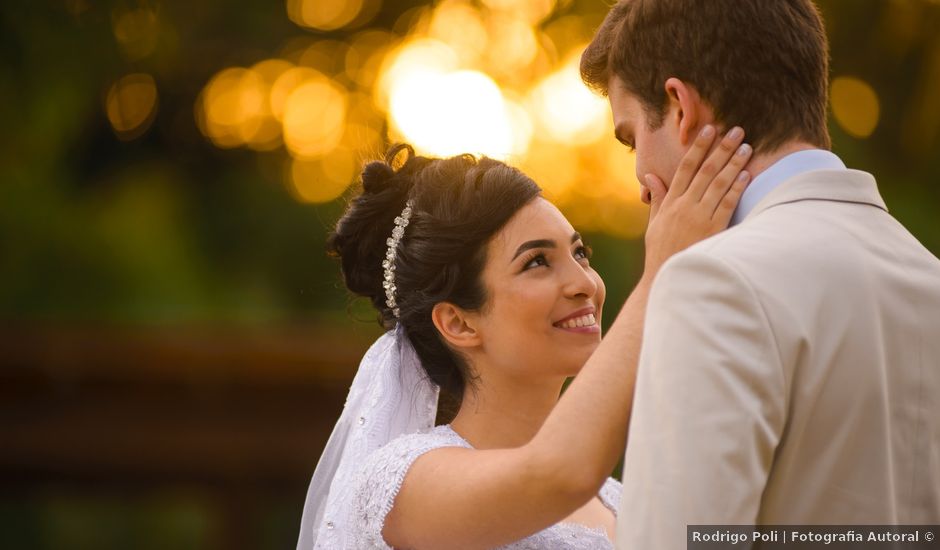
x: 583, y: 252
x: 535, y: 261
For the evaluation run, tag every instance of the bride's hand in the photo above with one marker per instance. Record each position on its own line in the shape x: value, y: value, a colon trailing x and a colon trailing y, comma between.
x: 701, y: 199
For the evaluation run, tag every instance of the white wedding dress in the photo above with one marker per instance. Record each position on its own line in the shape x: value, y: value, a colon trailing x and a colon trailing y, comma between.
x: 377, y: 483
x: 386, y: 424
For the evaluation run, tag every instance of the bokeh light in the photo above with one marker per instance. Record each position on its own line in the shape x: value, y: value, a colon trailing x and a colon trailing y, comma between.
x: 461, y: 27
x: 413, y: 60
x: 513, y: 47
x: 131, y: 105
x: 326, y: 56
x: 136, y: 31
x: 267, y: 135
x: 328, y: 15
x: 232, y: 107
x: 453, y: 113
x: 855, y: 106
x: 364, y: 58
x: 285, y: 84
x: 554, y: 167
x: 566, y: 109
x: 323, y: 179
x: 314, y: 117
x: 488, y: 77
x: 497, y: 77
x: 533, y: 11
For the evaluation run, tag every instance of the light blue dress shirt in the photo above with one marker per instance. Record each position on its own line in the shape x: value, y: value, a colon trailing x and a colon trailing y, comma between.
x: 779, y: 172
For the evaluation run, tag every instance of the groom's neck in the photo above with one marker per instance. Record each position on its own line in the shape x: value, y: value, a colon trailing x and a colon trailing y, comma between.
x: 764, y: 160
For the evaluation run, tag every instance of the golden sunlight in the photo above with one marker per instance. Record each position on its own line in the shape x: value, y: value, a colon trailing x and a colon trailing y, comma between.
x: 490, y: 77
x: 411, y: 60
x: 566, y: 109
x: 446, y: 114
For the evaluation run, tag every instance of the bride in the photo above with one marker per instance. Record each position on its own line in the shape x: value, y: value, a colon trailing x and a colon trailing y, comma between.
x: 490, y: 303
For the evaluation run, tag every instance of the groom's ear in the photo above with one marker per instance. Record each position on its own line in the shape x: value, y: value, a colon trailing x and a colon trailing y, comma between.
x: 457, y: 326
x: 686, y: 110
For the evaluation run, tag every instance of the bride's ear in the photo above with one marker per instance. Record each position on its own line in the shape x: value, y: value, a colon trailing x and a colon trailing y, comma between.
x: 455, y: 325
x: 686, y: 109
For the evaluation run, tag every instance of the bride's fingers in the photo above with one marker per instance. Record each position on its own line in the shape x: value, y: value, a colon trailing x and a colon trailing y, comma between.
x: 657, y: 192
x: 690, y: 163
x: 722, y: 183
x: 715, y: 163
x: 729, y: 202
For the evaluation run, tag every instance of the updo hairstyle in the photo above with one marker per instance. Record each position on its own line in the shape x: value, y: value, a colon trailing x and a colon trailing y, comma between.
x: 459, y: 204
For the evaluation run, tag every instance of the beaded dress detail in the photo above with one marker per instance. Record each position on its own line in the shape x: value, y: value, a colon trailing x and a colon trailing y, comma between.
x: 377, y: 483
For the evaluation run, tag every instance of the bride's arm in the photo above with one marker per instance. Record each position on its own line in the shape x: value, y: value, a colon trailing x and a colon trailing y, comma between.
x: 698, y: 204
x: 464, y: 498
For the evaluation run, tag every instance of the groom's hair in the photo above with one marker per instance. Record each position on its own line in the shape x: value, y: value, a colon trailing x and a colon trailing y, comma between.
x: 761, y: 64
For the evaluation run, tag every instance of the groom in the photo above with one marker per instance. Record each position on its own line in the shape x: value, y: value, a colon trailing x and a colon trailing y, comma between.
x: 790, y: 371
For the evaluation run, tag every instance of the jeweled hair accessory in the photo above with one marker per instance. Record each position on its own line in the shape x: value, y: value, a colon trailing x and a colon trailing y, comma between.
x: 401, y: 222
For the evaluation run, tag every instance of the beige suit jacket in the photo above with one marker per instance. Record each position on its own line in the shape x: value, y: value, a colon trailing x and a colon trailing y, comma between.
x: 790, y: 373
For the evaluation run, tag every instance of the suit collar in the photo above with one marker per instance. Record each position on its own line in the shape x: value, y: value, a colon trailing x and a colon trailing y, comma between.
x: 824, y: 185
x: 793, y: 164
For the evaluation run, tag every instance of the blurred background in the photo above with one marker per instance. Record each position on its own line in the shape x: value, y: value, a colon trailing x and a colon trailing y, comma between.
x: 174, y: 343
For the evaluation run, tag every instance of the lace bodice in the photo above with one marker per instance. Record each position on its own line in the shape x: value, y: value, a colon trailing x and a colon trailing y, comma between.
x: 379, y: 480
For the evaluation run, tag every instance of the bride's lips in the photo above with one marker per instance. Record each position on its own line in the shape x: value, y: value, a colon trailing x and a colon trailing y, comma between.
x: 587, y: 319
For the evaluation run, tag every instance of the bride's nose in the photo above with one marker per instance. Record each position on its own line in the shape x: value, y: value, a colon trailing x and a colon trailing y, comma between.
x: 578, y: 281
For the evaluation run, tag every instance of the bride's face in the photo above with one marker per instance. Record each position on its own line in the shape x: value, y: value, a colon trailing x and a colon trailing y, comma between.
x: 543, y: 310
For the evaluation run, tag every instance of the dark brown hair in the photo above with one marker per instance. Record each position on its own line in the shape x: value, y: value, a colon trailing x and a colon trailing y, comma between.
x: 459, y: 204
x: 761, y: 64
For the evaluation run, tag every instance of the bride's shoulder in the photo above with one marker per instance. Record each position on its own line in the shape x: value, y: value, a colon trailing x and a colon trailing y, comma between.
x: 443, y: 435
x: 398, y: 455
x: 420, y: 442
x: 381, y: 475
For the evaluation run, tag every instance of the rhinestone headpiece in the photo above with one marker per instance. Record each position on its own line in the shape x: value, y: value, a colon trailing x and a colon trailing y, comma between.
x: 401, y: 222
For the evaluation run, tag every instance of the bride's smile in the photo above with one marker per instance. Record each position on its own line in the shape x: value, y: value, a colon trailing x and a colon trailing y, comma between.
x: 582, y: 321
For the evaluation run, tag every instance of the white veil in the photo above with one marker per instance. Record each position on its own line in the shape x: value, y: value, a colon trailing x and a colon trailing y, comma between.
x: 390, y: 396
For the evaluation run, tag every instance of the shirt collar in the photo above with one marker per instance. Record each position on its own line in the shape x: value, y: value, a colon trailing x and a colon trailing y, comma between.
x: 779, y: 172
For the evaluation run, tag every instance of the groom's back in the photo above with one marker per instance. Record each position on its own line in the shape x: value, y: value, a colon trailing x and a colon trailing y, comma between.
x: 790, y: 373
x: 853, y: 301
